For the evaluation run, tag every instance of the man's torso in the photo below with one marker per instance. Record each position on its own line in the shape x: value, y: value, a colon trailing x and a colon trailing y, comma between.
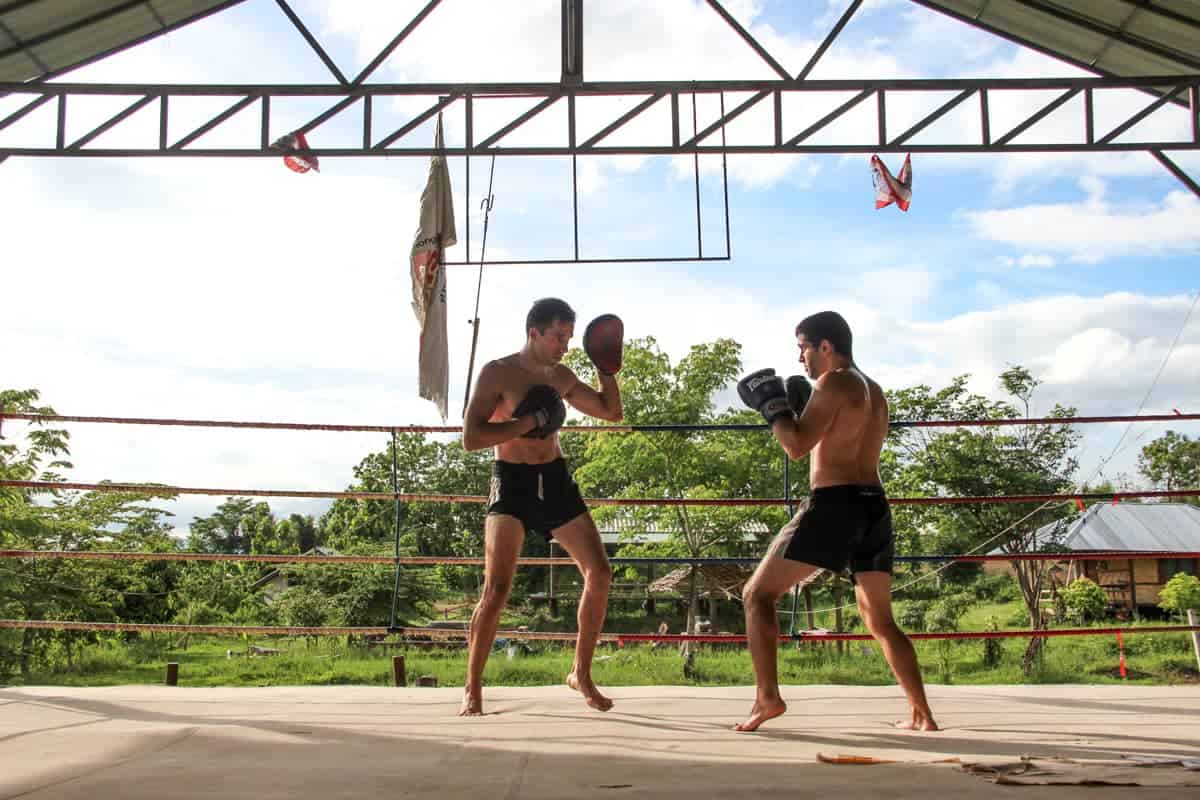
x: 515, y: 380
x: 848, y: 453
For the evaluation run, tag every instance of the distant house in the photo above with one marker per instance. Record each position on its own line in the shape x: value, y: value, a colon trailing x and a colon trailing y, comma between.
x: 1149, y: 527
x: 625, y: 528
x: 275, y: 582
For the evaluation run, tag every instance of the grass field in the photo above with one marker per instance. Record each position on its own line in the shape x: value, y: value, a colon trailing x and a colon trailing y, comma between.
x: 212, y: 661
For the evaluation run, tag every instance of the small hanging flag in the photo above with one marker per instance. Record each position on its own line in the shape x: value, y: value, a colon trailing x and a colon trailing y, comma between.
x: 892, y: 189
x: 296, y: 153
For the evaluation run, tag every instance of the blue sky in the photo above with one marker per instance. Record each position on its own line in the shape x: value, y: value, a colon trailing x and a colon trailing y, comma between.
x: 239, y: 290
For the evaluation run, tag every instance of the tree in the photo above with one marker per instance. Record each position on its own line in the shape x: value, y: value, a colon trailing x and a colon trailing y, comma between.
x: 994, y: 460
x: 682, y: 464
x: 1172, y: 461
x: 424, y: 466
x: 1180, y: 594
x: 226, y: 530
x: 45, y: 520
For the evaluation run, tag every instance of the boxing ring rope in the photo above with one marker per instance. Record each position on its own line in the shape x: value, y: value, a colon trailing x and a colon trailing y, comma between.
x: 539, y: 561
x: 405, y: 497
x: 305, y: 426
x: 618, y: 638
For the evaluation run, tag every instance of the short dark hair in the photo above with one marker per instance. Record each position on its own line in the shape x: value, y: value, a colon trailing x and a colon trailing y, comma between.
x: 828, y: 326
x: 546, y: 312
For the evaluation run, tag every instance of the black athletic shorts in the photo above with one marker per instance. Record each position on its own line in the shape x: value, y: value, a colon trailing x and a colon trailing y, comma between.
x: 840, y: 527
x: 543, y: 496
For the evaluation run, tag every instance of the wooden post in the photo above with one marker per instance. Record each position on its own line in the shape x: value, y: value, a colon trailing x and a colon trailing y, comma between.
x: 1192, y: 620
x: 172, y: 673
x: 649, y: 599
x: 398, y: 676
x: 1132, y: 591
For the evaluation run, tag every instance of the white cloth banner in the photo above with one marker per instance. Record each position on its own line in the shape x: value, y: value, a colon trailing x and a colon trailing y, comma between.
x: 434, y: 234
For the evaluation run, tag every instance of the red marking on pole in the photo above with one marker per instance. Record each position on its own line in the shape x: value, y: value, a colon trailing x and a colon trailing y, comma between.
x: 1121, y: 651
x: 1079, y: 503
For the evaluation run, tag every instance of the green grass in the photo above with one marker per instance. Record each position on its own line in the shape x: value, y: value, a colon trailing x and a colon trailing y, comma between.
x: 1151, y: 659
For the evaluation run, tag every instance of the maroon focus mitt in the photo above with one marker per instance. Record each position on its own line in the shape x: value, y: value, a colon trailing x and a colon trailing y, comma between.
x: 603, y: 341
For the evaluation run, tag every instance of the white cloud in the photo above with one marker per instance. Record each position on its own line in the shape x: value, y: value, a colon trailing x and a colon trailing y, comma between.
x: 1028, y: 260
x: 1095, y: 229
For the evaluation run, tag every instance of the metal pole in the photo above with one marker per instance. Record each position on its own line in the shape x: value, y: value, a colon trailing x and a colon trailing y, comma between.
x: 1193, y: 620
x: 696, y: 169
x: 575, y: 203
x: 396, y: 494
x: 787, y: 496
x: 725, y: 181
x: 486, y: 205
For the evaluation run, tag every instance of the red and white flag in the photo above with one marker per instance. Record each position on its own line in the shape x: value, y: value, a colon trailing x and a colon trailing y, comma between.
x: 434, y: 234
x: 296, y: 153
x: 892, y: 189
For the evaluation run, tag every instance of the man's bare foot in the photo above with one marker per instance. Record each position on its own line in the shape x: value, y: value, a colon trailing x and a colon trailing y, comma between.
x: 472, y: 704
x: 921, y: 721
x: 590, y: 693
x: 760, y: 713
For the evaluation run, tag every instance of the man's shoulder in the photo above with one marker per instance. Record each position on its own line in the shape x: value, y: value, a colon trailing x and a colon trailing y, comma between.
x: 502, y: 370
x: 842, y: 380
x: 849, y: 386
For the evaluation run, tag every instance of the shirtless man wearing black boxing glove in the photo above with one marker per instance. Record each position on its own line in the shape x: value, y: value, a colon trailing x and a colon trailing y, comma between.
x: 517, y: 408
x: 844, y: 524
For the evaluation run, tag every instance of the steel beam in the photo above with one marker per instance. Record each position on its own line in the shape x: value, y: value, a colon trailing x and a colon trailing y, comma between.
x: 770, y: 135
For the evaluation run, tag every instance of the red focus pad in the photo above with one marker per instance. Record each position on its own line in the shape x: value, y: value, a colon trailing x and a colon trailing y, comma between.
x: 603, y: 341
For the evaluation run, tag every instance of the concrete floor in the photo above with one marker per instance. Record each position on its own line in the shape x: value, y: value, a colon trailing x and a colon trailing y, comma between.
x: 135, y: 742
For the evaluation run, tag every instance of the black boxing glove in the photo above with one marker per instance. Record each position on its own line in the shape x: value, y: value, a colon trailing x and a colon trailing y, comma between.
x: 547, y: 408
x: 798, y: 392
x: 764, y: 392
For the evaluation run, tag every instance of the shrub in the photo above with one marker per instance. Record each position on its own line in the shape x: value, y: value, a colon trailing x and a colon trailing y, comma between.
x: 991, y: 647
x: 1181, y: 593
x: 1085, y: 600
x: 912, y: 618
x: 1019, y: 618
x: 999, y: 588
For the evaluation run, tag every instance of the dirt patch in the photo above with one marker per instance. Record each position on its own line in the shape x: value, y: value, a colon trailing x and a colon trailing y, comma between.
x: 1180, y: 674
x: 1130, y: 673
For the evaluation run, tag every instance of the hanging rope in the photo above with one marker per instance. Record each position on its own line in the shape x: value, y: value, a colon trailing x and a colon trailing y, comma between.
x: 486, y: 205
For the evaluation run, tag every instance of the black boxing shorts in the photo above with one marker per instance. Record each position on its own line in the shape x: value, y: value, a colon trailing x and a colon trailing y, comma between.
x: 841, y: 527
x: 544, y: 497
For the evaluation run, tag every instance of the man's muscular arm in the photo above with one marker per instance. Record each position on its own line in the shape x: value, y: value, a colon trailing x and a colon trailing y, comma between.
x: 799, y: 435
x: 604, y: 404
x: 478, y: 431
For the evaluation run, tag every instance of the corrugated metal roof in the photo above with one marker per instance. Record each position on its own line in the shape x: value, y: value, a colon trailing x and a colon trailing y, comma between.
x: 1112, y: 37
x: 653, y: 531
x: 1169, y: 527
x: 40, y: 38
x: 1133, y: 526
